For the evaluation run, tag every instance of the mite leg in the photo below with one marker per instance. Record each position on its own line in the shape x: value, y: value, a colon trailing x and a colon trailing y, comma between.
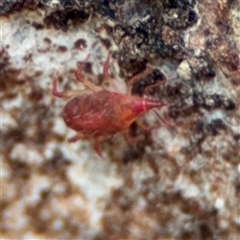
x: 67, y: 93
x: 55, y: 92
x: 106, y: 74
x: 235, y: 77
x: 160, y: 123
x: 98, y: 146
x: 135, y: 78
x: 84, y: 81
x: 147, y: 128
x: 129, y: 139
x: 75, y: 138
x: 147, y: 89
x: 163, y: 121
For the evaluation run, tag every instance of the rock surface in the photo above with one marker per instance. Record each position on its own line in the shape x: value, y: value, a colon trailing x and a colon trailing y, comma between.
x: 178, y: 182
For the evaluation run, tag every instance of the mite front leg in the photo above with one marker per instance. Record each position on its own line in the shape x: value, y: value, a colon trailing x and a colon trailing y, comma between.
x: 147, y: 128
x: 129, y: 139
x: 159, y: 83
x: 135, y: 78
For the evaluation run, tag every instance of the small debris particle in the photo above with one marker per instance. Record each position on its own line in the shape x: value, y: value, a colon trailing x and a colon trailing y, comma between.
x: 62, y: 49
x: 80, y: 44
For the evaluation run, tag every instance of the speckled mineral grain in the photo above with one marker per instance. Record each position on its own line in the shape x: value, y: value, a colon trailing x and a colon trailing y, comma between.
x: 181, y: 181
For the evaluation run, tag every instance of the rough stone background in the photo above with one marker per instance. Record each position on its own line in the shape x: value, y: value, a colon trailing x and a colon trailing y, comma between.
x: 178, y: 182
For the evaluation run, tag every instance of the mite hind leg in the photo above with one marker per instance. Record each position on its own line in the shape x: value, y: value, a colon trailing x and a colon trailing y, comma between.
x: 75, y: 138
x: 106, y: 74
x: 67, y: 93
x: 98, y: 146
x: 84, y: 81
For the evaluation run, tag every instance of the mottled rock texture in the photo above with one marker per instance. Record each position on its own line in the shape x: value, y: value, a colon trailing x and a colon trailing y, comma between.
x: 178, y: 182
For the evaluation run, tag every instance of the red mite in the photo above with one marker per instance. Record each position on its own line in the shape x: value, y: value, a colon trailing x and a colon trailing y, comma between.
x: 99, y: 112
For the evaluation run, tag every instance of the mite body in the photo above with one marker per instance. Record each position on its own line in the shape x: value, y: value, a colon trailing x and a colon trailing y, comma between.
x: 105, y: 113
x: 99, y: 112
